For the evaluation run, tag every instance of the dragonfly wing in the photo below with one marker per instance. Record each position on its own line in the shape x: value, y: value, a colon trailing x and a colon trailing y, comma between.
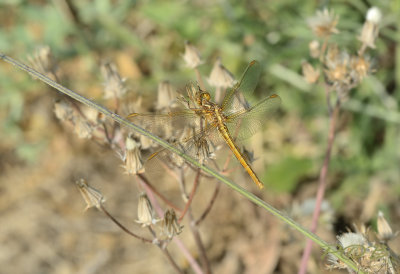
x: 199, y: 144
x: 244, y: 123
x: 164, y: 125
x: 245, y: 86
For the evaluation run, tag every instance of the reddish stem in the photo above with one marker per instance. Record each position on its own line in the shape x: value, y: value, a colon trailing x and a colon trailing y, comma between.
x: 321, y: 186
x: 189, y: 202
x: 155, y: 191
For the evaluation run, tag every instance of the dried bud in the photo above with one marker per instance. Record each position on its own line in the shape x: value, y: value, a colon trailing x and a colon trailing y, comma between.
x: 90, y: 114
x: 44, y: 62
x: 315, y: 51
x: 166, y: 96
x: 92, y: 197
x: 385, y: 232
x: 170, y: 224
x: 360, y: 67
x: 374, y: 15
x: 63, y: 110
x: 82, y: 127
x: 324, y: 23
x: 310, y: 74
x: 220, y: 77
x: 133, y: 158
x: 114, y: 84
x: 191, y: 56
x: 351, y: 239
x: 370, y: 28
x: 337, y: 70
x: 145, y: 211
x: 203, y: 150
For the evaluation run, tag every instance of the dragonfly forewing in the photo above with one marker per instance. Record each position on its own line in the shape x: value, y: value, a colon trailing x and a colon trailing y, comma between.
x: 244, y: 87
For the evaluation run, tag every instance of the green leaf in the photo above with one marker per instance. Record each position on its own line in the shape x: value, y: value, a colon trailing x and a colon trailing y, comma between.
x: 284, y: 175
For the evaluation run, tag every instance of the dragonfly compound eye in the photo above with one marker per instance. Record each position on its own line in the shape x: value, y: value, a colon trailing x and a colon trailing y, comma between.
x: 205, y: 96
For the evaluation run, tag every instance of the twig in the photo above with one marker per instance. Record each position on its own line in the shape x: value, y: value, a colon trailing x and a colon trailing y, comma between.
x: 210, y: 204
x: 321, y: 186
x: 193, y: 227
x: 196, y: 234
x: 155, y: 191
x: 171, y: 260
x: 165, y: 252
x: 189, y: 202
x: 122, y: 226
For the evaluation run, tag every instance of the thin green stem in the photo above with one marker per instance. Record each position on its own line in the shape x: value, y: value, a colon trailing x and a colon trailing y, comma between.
x: 191, y: 160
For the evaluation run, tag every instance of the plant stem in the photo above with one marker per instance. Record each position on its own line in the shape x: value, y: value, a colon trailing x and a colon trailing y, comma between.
x: 321, y: 186
x: 171, y: 260
x: 189, y: 202
x: 210, y: 204
x: 155, y: 191
x: 123, y: 227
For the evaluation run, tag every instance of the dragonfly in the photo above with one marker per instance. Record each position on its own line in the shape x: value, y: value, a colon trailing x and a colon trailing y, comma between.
x: 232, y: 120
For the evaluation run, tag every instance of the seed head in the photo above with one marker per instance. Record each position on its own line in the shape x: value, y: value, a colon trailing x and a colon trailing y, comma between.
x: 82, y: 127
x: 360, y: 67
x: 310, y: 74
x: 133, y: 157
x: 324, y: 23
x: 166, y: 96
x: 191, y: 56
x: 370, y: 28
x: 44, y: 62
x: 170, y: 224
x: 63, y: 110
x: 92, y: 196
x: 385, y: 232
x: 114, y: 84
x: 145, y: 211
x: 220, y: 77
x: 314, y: 48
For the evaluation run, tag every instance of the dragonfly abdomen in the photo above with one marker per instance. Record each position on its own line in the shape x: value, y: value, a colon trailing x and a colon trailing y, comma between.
x: 223, y: 130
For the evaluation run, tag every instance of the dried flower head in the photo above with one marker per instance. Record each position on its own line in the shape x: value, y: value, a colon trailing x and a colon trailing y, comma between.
x: 63, y: 110
x: 360, y: 67
x: 191, y: 56
x: 310, y: 74
x: 44, y: 62
x: 170, y: 225
x: 370, y: 28
x: 337, y: 67
x: 220, y: 77
x: 133, y: 157
x: 92, y: 197
x: 114, y: 84
x: 324, y: 23
x: 145, y: 211
x: 385, y: 232
x: 166, y: 96
x: 82, y: 127
x: 204, y: 150
x: 369, y: 257
x: 314, y: 48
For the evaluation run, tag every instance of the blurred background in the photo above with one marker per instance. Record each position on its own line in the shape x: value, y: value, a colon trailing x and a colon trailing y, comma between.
x: 44, y: 228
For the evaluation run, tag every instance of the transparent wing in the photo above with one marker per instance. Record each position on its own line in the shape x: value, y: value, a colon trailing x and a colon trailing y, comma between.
x: 199, y: 144
x: 244, y: 123
x: 245, y: 86
x: 164, y: 125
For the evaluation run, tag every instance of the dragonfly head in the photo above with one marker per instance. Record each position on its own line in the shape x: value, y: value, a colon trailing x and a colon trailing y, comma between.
x: 204, y: 97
